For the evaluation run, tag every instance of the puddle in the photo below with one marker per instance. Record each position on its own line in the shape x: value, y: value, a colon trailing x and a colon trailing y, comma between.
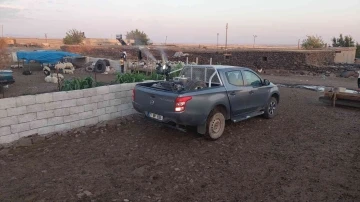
x: 314, y: 88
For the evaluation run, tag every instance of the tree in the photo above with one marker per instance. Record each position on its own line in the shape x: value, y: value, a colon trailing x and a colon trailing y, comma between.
x: 343, y: 42
x: 138, y: 36
x: 357, y: 50
x: 313, y: 42
x: 4, y: 55
x: 74, y: 37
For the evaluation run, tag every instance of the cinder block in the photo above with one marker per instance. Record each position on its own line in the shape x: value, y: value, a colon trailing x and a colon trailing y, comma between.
x: 122, y: 107
x: 45, y: 114
x: 9, y: 138
x: 97, y: 98
x: 8, y: 121
x: 68, y: 103
x: 104, y: 117
x: 20, y: 127
x: 5, y: 131
x: 99, y: 112
x: 119, y: 95
x: 102, y: 90
x: 127, y: 112
x: 59, y: 96
x: 62, y: 127
x: 6, y: 103
x: 91, y: 121
x: 115, y: 88
x: 74, y: 94
x: 77, y: 109
x: 126, y: 100
x: 75, y: 124
x: 38, y: 124
x: 27, y: 117
x: 83, y: 101
x: 71, y: 118
x: 126, y: 86
x: 89, y: 92
x: 3, y: 113
x: 62, y: 112
x: 53, y: 105
x: 129, y: 93
x: 46, y: 130
x: 115, y: 102
x: 55, y: 121
x: 103, y: 104
x: 25, y: 100
x: 44, y: 98
x: 115, y: 115
x: 35, y: 108
x: 86, y: 115
x: 16, y: 111
x: 28, y: 133
x: 111, y: 109
x: 90, y: 107
x: 109, y: 96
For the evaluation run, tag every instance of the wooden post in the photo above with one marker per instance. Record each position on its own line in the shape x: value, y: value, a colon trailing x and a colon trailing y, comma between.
x: 210, y: 61
x: 197, y: 60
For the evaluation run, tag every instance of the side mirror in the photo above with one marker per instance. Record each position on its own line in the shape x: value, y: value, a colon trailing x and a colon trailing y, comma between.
x: 266, y: 82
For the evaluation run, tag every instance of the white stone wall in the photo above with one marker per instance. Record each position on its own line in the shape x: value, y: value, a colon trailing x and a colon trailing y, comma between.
x: 60, y: 111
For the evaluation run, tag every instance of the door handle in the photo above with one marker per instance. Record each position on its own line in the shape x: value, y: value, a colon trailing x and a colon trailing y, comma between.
x: 251, y: 92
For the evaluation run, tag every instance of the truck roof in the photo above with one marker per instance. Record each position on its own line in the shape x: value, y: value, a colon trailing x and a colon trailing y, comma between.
x: 218, y: 67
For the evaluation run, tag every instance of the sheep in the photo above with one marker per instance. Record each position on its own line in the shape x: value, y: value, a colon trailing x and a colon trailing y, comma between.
x: 53, y: 78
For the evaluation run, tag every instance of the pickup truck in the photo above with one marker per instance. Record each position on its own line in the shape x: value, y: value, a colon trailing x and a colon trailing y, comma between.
x: 6, y: 77
x: 205, y: 96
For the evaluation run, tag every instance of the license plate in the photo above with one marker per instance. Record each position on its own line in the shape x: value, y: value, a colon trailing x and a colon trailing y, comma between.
x: 155, y: 116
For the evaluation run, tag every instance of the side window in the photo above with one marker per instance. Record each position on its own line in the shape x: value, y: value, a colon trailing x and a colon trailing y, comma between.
x: 252, y: 79
x: 235, y: 78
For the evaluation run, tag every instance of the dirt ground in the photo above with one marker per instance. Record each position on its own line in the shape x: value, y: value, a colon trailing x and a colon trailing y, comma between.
x: 309, y: 152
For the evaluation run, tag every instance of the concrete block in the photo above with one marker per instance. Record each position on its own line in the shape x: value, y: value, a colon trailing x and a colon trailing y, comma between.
x: 27, y: 117
x: 75, y: 124
x: 127, y: 112
x: 115, y: 115
x: 7, y: 103
x: 45, y: 114
x: 38, y: 124
x: 111, y: 109
x: 119, y: 95
x: 9, y: 138
x: 55, y: 121
x: 103, y: 104
x: 89, y: 92
x: 53, y: 105
x: 3, y: 113
x: 60, y: 96
x: 44, y: 98
x: 25, y: 100
x: 74, y: 94
x: 35, y: 108
x: 68, y: 103
x: 109, y: 96
x: 102, y: 90
x: 5, y: 130
x: 122, y: 107
x: 129, y: 93
x: 91, y: 121
x: 77, y: 109
x: 115, y: 102
x: 86, y: 115
x: 17, y: 128
x: 115, y: 88
x: 71, y: 118
x: 90, y: 107
x: 104, y: 117
x: 16, y: 111
x: 46, y: 130
x: 127, y: 86
x: 126, y: 100
x: 62, y: 112
x: 97, y: 98
x: 62, y: 127
x: 8, y: 121
x: 99, y: 112
x: 28, y: 133
x: 83, y: 101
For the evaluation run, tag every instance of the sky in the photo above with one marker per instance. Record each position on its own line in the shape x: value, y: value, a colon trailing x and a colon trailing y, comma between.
x: 281, y: 22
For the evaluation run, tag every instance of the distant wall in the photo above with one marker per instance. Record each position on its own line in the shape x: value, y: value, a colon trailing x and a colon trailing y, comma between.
x: 61, y: 111
x: 345, y: 56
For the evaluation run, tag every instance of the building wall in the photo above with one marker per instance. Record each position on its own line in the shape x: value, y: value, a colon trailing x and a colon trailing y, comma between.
x: 61, y: 111
x: 345, y: 56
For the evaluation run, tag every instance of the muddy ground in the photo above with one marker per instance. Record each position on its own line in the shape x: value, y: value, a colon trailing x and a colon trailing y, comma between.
x: 309, y: 152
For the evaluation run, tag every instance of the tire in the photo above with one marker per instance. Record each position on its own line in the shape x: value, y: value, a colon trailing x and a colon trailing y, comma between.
x: 107, y: 62
x: 100, y: 66
x: 194, y: 85
x: 215, y: 125
x: 271, y: 108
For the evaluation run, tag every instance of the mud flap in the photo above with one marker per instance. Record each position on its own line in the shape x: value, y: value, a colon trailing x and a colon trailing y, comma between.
x: 201, y: 129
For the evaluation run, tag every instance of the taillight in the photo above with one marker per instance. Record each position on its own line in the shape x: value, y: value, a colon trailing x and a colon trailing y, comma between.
x: 133, y: 94
x: 180, y: 103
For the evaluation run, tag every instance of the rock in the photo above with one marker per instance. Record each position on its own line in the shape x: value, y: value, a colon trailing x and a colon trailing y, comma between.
x: 347, y: 74
x: 126, y: 200
x: 139, y: 171
x: 87, y: 193
x: 3, y: 163
x: 332, y: 75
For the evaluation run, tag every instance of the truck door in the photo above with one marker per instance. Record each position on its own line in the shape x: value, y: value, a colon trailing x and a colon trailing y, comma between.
x: 238, y: 93
x: 258, y: 93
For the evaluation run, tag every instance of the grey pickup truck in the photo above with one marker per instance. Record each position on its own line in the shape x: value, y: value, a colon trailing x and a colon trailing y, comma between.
x: 206, y: 96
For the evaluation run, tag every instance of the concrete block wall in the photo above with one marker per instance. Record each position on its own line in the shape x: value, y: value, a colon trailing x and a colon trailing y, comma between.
x: 60, y: 111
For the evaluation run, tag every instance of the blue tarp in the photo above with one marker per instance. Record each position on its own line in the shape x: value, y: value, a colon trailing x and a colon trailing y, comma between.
x: 44, y: 56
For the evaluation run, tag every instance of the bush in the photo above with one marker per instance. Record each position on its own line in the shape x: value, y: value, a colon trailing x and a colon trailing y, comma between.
x: 4, y: 56
x: 343, y: 42
x: 313, y: 42
x: 78, y: 83
x: 357, y: 50
x: 74, y: 37
x: 138, y: 36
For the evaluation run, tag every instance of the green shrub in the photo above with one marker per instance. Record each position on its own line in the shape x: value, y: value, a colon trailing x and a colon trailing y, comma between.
x: 78, y: 83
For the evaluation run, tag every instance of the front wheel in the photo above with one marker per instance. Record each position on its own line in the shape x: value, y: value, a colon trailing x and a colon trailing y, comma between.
x: 215, y: 125
x: 271, y: 108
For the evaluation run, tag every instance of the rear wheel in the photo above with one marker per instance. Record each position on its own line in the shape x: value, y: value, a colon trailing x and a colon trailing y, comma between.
x: 271, y: 108
x: 215, y: 125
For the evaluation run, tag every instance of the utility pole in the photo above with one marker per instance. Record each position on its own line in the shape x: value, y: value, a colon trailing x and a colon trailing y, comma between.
x: 217, y: 41
x: 254, y: 40
x: 226, y: 36
x: 2, y: 31
x: 299, y: 44
x: 45, y: 38
x: 165, y: 40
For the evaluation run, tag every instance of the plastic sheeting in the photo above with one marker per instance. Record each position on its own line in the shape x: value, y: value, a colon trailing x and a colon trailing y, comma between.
x: 44, y: 56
